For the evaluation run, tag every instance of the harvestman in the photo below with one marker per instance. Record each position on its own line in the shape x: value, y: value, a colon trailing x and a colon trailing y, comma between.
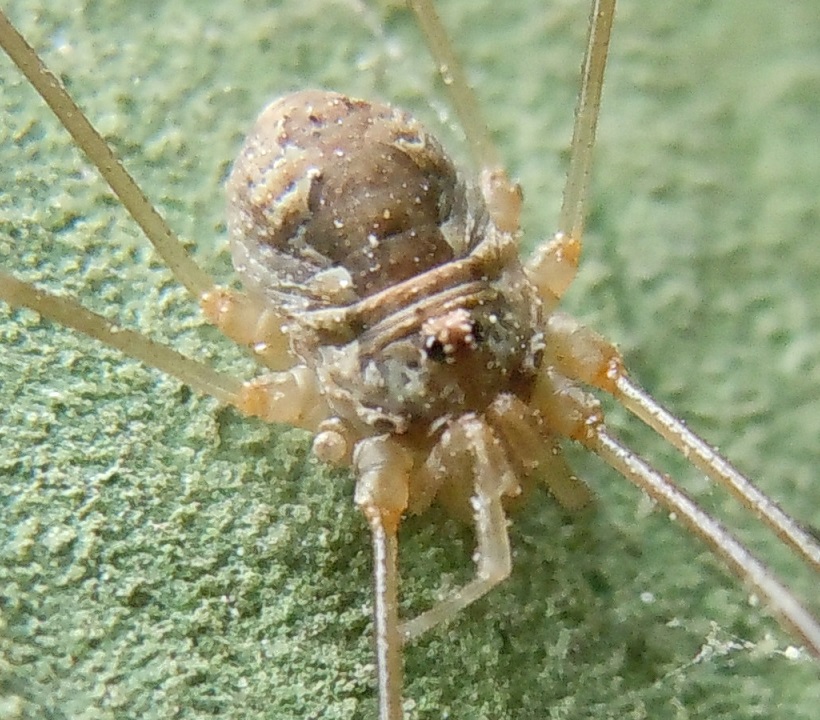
x: 441, y: 373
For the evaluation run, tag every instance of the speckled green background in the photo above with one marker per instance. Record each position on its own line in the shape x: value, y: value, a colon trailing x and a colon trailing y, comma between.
x: 163, y: 558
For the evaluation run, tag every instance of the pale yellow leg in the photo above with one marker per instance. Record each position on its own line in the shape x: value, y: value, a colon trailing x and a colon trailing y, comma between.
x: 383, y: 470
x: 553, y: 265
x: 239, y: 316
x: 536, y: 451
x: 493, y: 479
x: 576, y: 414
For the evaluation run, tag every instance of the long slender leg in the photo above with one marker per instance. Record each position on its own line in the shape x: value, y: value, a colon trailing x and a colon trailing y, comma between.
x: 493, y: 479
x: 503, y: 196
x: 383, y: 470
x: 581, y: 353
x: 577, y: 415
x: 468, y: 109
x: 717, y: 467
x: 756, y: 575
x: 239, y: 316
x: 103, y: 158
x: 70, y: 313
x: 383, y: 531
x: 576, y: 192
x: 291, y: 396
x: 553, y: 264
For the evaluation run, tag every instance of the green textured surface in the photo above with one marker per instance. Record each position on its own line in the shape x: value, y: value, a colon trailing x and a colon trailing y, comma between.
x: 162, y: 558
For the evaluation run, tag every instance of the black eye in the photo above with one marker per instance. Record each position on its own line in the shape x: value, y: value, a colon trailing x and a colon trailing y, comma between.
x: 435, y: 350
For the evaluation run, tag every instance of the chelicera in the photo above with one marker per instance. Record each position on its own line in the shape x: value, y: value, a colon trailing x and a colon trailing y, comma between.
x: 386, y: 296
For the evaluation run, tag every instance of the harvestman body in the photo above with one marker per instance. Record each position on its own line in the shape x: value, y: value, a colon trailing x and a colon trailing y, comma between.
x: 387, y: 296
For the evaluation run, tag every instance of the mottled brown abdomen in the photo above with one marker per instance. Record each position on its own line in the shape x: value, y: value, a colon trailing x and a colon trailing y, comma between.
x: 334, y: 199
